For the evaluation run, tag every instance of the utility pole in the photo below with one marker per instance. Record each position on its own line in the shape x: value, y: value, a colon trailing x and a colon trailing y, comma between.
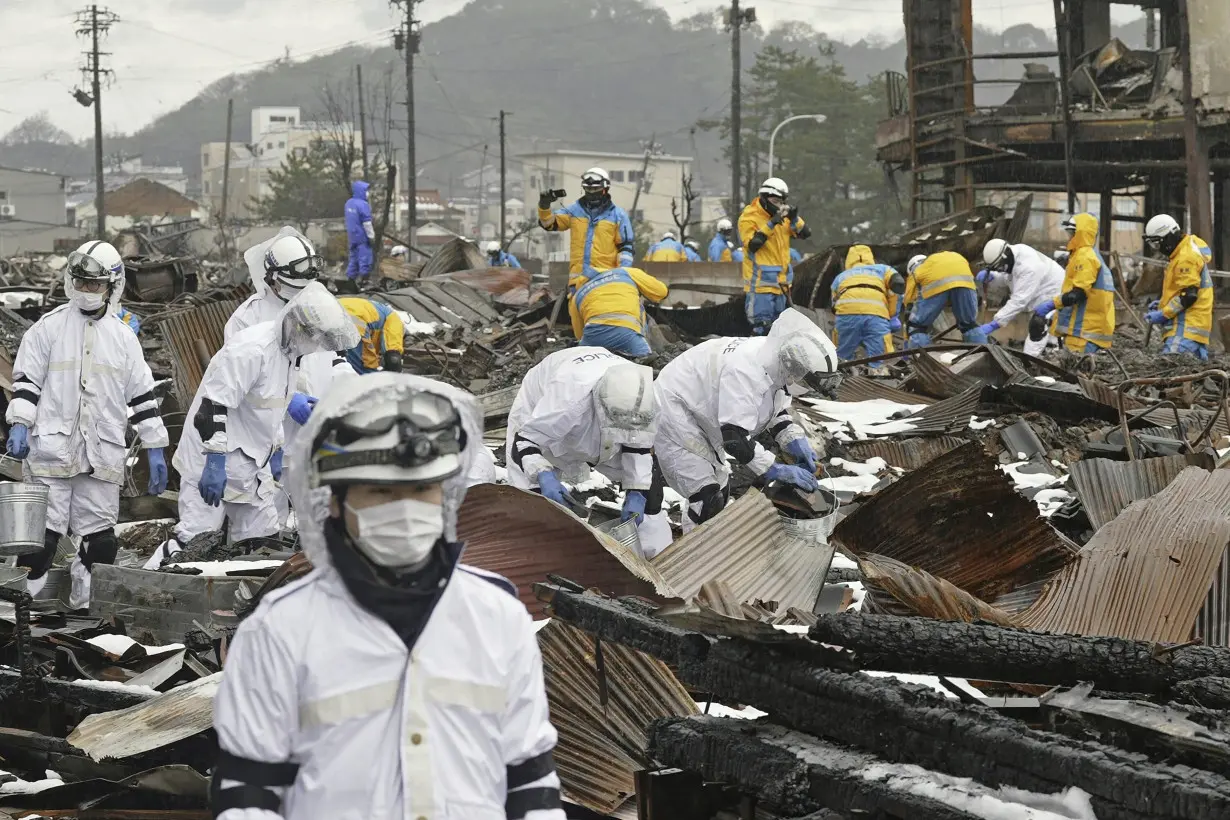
x: 737, y: 19
x: 503, y: 182
x: 640, y: 183
x: 95, y: 22
x: 226, y: 180
x: 362, y: 120
x: 1199, y: 205
x: 408, y: 40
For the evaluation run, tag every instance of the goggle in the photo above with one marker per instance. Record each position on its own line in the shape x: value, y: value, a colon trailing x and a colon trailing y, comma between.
x: 593, y: 183
x: 1153, y: 241
x: 309, y: 267
x: 825, y: 384
x: 84, y: 266
x: 420, y: 440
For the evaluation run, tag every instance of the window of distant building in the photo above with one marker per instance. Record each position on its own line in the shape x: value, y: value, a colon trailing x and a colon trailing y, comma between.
x: 269, y: 145
x: 281, y: 144
x: 205, y: 158
x: 300, y: 153
x: 617, y: 176
x: 290, y: 120
x: 4, y: 196
x: 276, y: 118
x: 533, y: 182
x: 1127, y: 206
x: 634, y: 176
x: 206, y: 186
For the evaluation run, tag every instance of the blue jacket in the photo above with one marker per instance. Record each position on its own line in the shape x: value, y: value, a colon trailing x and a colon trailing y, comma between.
x: 358, y: 211
x: 692, y: 255
x: 722, y: 249
x: 795, y: 256
x: 504, y: 260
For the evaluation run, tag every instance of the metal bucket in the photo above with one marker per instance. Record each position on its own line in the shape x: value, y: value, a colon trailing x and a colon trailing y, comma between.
x: 624, y: 532
x: 815, y: 530
x: 23, y: 517
x: 13, y: 578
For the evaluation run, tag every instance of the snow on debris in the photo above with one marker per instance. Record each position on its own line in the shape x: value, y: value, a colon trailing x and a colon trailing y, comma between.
x: 15, y: 785
x: 872, y: 417
x: 981, y: 801
x: 119, y: 644
x: 922, y: 680
x: 872, y: 466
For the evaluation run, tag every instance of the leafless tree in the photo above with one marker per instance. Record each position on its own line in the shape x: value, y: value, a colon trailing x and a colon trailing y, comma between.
x: 684, y: 219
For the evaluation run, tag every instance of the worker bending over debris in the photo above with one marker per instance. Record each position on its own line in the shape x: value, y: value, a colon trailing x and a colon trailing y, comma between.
x: 393, y: 681
x: 715, y: 399
x: 766, y: 227
x: 1185, y: 310
x: 691, y: 250
x: 586, y: 406
x: 78, y: 375
x: 497, y: 257
x: 382, y: 336
x: 600, y: 231
x: 1085, y: 308
x: 934, y: 282
x: 1035, y: 280
x: 865, y: 297
x: 608, y: 309
x: 230, y: 452
x: 666, y: 249
x: 359, y: 233
x: 723, y: 248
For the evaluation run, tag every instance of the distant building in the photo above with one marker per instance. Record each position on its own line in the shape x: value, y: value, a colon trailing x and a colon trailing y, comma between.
x: 33, y: 212
x: 431, y: 207
x: 145, y: 199
x: 662, y: 182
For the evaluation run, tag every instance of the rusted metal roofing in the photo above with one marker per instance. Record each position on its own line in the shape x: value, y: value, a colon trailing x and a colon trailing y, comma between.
x: 181, y: 713
x: 947, y: 416
x: 506, y: 286
x: 1102, y: 392
x: 454, y: 255
x: 909, y: 454
x: 434, y: 302
x: 747, y: 547
x: 959, y: 518
x: 1106, y: 487
x: 1145, y: 575
x: 192, y: 334
x: 525, y: 537
x: 934, y: 378
x: 926, y: 595
x: 601, y: 745
x: 862, y: 388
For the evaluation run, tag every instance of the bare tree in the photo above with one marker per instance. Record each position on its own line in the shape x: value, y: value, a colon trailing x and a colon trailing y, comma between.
x: 684, y: 219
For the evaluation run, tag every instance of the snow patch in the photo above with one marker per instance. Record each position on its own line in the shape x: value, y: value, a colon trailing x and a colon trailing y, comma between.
x: 850, y: 483
x: 869, y: 467
x: 18, y: 786
x: 1044, y: 379
x: 119, y: 644
x: 979, y: 801
x: 921, y: 680
x: 217, y: 569
x: 1027, y: 480
x: 975, y: 424
x: 840, y: 561
x: 719, y: 710
x: 115, y: 686
x: 867, y: 418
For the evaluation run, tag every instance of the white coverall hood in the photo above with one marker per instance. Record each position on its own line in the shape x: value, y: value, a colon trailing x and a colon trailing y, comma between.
x: 117, y: 289
x: 796, y: 342
x: 350, y: 393
x: 314, y: 321
x: 254, y: 258
x: 626, y: 408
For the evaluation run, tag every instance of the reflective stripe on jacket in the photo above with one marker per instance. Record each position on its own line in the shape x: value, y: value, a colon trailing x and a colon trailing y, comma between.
x: 768, y: 270
x: 614, y: 297
x: 1092, y: 320
x: 1188, y: 268
x: 601, y: 240
x: 381, y: 330
x: 940, y: 273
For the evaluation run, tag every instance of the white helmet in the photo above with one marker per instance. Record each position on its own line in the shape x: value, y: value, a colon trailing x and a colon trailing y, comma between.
x: 1069, y: 225
x: 314, y: 321
x: 668, y: 235
x: 775, y: 187
x: 491, y: 247
x: 290, y: 264
x: 98, y: 267
x: 626, y: 407
x: 595, y: 178
x: 1162, y: 231
x: 693, y: 244
x: 809, y: 360
x: 914, y: 262
x: 724, y: 224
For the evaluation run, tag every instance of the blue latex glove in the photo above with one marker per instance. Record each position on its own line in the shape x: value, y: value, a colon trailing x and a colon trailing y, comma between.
x: 797, y: 476
x: 984, y: 277
x: 1044, y: 309
x: 1156, y: 317
x: 301, y: 405
x: 990, y: 327
x: 19, y: 441
x: 1155, y: 304
x: 803, y: 453
x: 634, y: 506
x: 157, y: 471
x: 552, y: 487
x: 894, y: 324
x: 275, y: 464
x: 213, y: 480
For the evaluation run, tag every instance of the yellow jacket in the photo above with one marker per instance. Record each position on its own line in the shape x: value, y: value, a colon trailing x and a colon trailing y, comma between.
x: 613, y: 297
x: 768, y: 270
x: 666, y: 251
x: 1188, y: 268
x: 600, y: 239
x: 1091, y: 319
x: 864, y: 288
x: 940, y: 273
x: 380, y: 329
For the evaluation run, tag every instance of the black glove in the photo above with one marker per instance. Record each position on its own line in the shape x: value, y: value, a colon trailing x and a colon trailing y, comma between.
x: 1038, y: 328
x: 545, y: 199
x: 792, y: 213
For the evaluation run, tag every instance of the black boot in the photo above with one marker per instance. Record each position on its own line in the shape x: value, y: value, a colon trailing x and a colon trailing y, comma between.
x: 39, y: 562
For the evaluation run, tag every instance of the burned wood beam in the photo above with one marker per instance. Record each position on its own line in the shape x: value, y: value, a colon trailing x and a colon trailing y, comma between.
x: 903, y: 723
x: 791, y: 772
x: 73, y: 693
x: 984, y: 652
x: 1210, y: 692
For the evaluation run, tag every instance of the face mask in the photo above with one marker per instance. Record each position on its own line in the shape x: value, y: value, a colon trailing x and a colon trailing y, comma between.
x: 398, y: 533
x: 89, y: 302
x: 798, y: 389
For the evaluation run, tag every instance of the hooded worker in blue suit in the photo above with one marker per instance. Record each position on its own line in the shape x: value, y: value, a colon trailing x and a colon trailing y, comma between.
x: 359, y: 231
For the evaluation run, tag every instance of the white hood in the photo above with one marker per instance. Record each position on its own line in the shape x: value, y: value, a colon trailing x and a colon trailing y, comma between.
x: 789, y: 325
x: 254, y: 258
x: 314, y: 321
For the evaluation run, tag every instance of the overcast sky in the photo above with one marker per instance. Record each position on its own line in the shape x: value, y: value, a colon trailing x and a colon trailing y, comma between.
x: 165, y: 51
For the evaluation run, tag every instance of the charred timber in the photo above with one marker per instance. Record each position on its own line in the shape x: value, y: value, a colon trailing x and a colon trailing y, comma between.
x: 791, y: 772
x: 888, y: 643
x: 1211, y: 692
x: 903, y: 723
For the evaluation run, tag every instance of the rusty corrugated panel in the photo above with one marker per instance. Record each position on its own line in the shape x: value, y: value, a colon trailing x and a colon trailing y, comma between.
x: 959, y: 518
x: 1145, y: 575
x: 1104, y: 393
x: 926, y: 595
x: 456, y: 254
x: 461, y: 299
x: 862, y: 388
x: 947, y: 416
x: 525, y: 537
x: 934, y: 378
x: 909, y: 454
x: 184, y: 711
x: 746, y: 547
x: 602, y: 746
x: 183, y: 330
x: 1106, y: 487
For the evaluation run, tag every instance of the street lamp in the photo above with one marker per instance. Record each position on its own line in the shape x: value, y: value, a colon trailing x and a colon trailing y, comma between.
x: 819, y: 118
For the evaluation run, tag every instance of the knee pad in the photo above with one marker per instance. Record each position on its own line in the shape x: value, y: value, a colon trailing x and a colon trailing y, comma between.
x: 653, y: 498
x: 707, y: 502
x: 39, y: 562
x: 99, y: 548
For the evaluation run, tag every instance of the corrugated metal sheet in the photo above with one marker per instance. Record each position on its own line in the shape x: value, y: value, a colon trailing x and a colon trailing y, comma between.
x: 1106, y: 487
x: 183, y: 329
x: 947, y: 416
x: 1213, y: 622
x: 1106, y: 394
x: 1145, y: 575
x: 746, y: 547
x: 909, y: 454
x: 181, y: 713
x: 959, y: 518
x: 862, y: 388
x: 933, y: 377
x: 525, y: 537
x: 454, y: 255
x: 429, y: 302
x: 926, y: 595
x: 601, y: 747
x: 461, y: 299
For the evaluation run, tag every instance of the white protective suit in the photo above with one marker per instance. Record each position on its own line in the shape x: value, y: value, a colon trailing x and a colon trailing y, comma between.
x: 1035, y: 279
x: 78, y: 383
x: 321, y: 700
x: 730, y: 381
x: 253, y: 377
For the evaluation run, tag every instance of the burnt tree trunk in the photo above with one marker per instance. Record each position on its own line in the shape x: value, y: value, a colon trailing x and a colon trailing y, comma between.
x: 1210, y: 692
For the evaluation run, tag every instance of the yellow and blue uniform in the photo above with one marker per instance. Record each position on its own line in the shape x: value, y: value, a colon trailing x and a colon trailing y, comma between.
x: 607, y: 309
x: 865, y: 300
x: 666, y: 250
x: 767, y: 272
x: 129, y: 318
x: 944, y: 279
x: 1189, y: 321
x: 380, y: 329
x: 722, y: 249
x: 1086, y: 303
x: 601, y: 237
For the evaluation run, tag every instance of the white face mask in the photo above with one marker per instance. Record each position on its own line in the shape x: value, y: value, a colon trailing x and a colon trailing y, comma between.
x: 398, y: 533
